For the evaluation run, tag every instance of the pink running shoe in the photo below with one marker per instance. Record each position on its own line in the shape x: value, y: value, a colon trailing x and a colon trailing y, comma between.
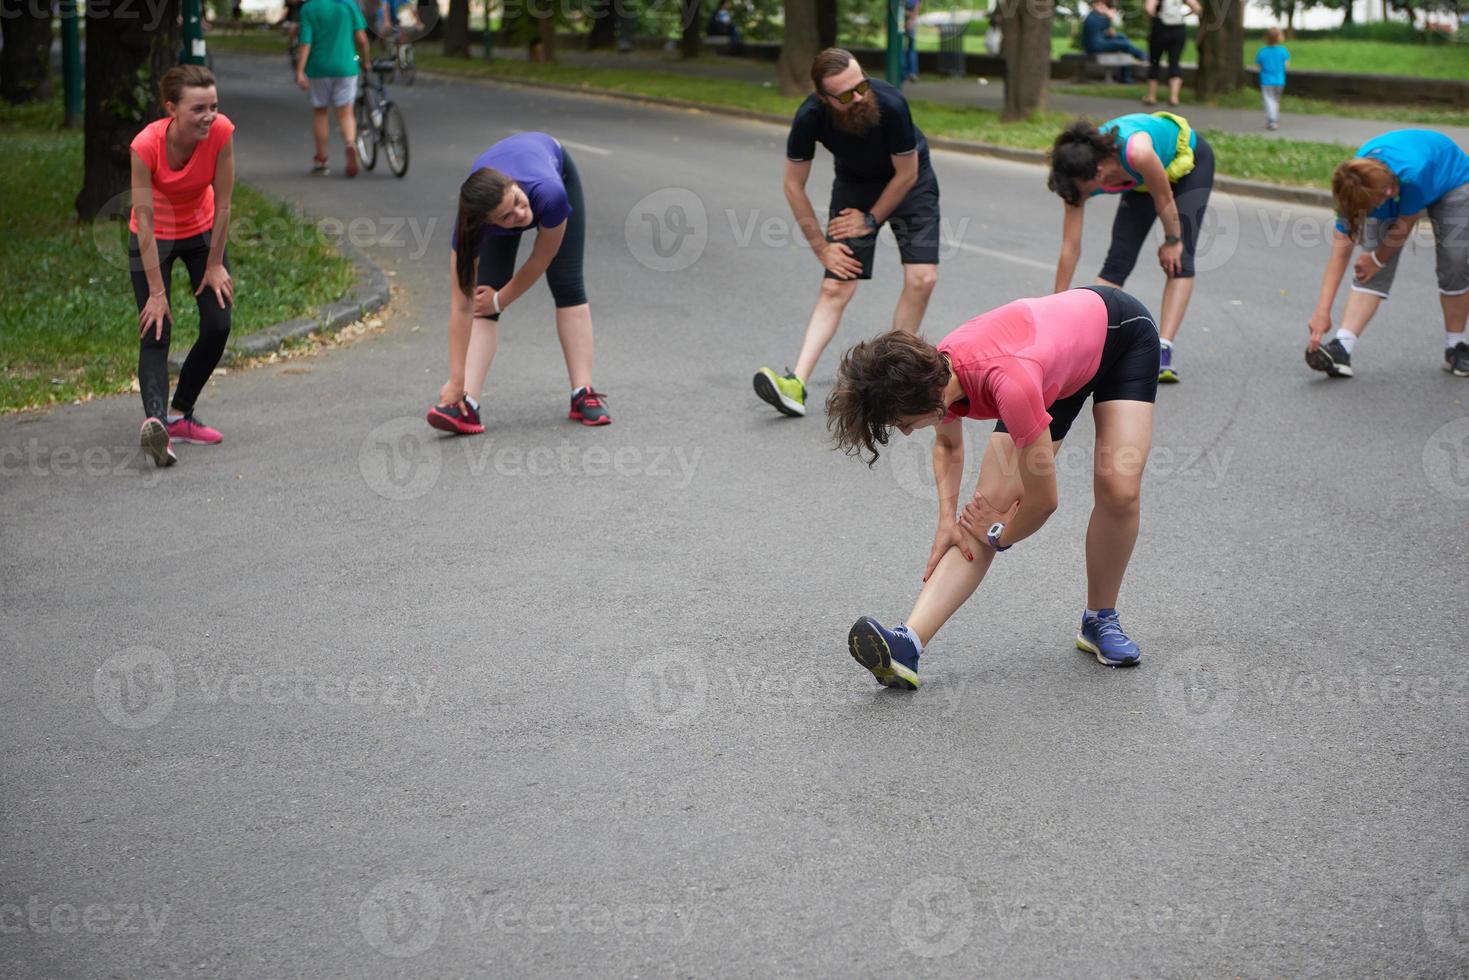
x: 156, y: 443
x: 461, y: 419
x: 190, y: 429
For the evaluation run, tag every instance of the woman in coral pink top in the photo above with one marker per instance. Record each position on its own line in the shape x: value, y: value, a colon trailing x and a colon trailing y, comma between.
x: 183, y: 173
x: 1031, y: 364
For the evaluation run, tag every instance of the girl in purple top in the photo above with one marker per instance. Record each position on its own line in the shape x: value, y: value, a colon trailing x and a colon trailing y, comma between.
x: 523, y: 181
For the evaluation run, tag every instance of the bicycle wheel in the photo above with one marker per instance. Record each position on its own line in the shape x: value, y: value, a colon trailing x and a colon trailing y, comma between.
x: 407, y: 67
x: 395, y: 139
x: 366, y: 133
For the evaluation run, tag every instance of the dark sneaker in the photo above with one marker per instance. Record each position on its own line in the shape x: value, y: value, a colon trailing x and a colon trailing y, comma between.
x: 461, y: 419
x: 587, y: 407
x: 1456, y: 360
x: 1167, y: 373
x: 1101, y: 636
x: 890, y: 655
x: 319, y: 167
x: 783, y: 391
x: 156, y: 443
x: 1331, y: 358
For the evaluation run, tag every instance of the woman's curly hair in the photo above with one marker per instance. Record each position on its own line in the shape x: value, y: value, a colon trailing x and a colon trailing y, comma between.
x: 1075, y: 156
x: 1357, y: 187
x: 880, y: 381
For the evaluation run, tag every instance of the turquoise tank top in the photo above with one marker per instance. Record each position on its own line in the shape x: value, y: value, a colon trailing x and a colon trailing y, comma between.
x: 1161, y: 130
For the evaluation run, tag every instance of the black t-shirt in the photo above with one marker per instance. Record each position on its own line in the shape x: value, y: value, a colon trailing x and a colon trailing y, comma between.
x: 859, y: 158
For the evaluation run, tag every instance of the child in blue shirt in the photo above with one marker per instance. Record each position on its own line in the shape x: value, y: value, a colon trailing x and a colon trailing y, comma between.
x: 1271, y: 59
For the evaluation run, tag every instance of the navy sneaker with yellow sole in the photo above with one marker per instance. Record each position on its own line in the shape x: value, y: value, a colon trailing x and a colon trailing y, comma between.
x: 889, y: 654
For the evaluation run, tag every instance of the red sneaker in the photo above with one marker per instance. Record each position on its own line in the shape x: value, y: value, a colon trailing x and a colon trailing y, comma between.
x: 190, y: 429
x: 155, y: 442
x: 351, y: 161
x: 461, y: 419
x: 587, y: 407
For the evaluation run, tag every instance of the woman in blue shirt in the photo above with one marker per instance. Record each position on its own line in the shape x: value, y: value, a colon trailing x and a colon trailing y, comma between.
x: 1163, y: 171
x: 1381, y: 193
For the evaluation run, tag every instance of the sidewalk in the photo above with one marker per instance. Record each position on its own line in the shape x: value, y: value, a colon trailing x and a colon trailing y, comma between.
x: 971, y: 92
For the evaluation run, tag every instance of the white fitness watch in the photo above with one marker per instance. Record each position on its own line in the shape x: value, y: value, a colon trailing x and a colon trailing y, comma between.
x: 993, y: 534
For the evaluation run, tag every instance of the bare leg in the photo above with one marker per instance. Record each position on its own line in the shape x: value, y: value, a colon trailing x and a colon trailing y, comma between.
x: 1175, y: 89
x: 1455, y: 312
x: 483, y: 339
x: 835, y: 295
x: 1152, y: 90
x: 347, y: 123
x: 955, y: 578
x: 918, y: 283
x: 1124, y: 436
x: 1361, y: 307
x: 319, y: 131
x: 574, y: 327
x: 1176, y: 294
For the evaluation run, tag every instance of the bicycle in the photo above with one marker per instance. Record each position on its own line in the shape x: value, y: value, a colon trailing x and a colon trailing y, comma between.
x: 380, y: 121
x: 403, y: 60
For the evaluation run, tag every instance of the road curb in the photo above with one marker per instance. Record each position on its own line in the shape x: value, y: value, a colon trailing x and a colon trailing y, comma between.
x: 1228, y: 185
x: 369, y: 293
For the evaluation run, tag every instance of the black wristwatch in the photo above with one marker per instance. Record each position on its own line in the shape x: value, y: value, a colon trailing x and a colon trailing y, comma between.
x: 1171, y: 239
x: 993, y: 534
x: 871, y: 221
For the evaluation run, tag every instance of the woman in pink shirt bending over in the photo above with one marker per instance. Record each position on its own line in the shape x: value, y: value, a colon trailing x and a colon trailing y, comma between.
x: 1031, y: 364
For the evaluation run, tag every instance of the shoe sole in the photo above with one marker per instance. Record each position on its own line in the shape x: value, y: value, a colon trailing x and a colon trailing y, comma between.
x: 770, y: 394
x: 579, y: 417
x: 197, y: 442
x: 154, y: 440
x: 445, y: 423
x: 869, y: 649
x: 1168, y: 377
x: 1456, y: 372
x: 1087, y: 646
x: 1319, y: 360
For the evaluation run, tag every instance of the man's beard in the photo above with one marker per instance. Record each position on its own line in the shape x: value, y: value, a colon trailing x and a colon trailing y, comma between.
x: 859, y: 119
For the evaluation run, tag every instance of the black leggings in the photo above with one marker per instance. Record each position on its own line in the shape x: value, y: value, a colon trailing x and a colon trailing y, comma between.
x: 214, y: 327
x: 1166, y: 39
x: 564, y: 274
x: 1136, y: 214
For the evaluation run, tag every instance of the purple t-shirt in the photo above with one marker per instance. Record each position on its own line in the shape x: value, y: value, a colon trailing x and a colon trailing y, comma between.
x: 534, y: 161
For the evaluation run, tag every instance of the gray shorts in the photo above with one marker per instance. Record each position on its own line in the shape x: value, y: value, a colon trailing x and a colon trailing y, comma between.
x: 1450, y: 218
x: 333, y: 91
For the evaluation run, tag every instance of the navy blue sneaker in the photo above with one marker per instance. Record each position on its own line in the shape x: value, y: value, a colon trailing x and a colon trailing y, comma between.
x: 890, y: 655
x: 1101, y: 636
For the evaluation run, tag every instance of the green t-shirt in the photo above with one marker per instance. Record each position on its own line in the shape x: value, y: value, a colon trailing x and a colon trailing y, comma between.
x: 329, y: 26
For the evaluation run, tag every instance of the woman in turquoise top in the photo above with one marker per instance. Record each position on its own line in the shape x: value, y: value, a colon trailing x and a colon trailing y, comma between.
x: 1163, y: 170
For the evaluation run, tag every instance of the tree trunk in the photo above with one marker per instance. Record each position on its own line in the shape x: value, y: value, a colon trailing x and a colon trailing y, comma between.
x: 1026, y: 48
x: 546, y: 32
x: 1347, y: 7
x: 604, y: 25
x: 798, y: 48
x: 456, y: 30
x: 1221, y: 44
x: 126, y: 55
x: 826, y: 23
x: 25, y: 60
x: 691, y: 44
x: 1290, y: 22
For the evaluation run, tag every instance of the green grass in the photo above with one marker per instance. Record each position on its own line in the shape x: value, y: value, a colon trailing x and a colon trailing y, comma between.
x: 1250, y: 99
x: 68, y: 321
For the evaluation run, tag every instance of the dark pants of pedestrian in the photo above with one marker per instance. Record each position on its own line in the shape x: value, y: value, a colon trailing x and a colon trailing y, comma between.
x: 564, y: 274
x: 1165, y: 39
x: 1136, y: 214
x: 214, y: 327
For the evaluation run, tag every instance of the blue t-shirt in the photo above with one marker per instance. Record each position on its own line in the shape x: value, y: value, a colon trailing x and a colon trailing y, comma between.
x: 1272, y: 59
x: 1427, y: 165
x: 534, y: 161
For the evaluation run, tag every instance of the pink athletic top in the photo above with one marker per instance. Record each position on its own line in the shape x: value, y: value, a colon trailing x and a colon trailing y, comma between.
x: 1015, y: 361
x: 183, y: 200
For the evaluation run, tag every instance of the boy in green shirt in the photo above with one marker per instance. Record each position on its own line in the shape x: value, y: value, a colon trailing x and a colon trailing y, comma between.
x: 333, y: 38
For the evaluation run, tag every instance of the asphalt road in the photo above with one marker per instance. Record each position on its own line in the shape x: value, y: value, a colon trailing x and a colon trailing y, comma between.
x: 341, y: 697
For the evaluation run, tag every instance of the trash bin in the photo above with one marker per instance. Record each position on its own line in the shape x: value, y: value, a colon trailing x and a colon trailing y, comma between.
x: 951, y: 48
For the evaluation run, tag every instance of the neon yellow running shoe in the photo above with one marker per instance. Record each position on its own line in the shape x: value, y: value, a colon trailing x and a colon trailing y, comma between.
x: 785, y: 392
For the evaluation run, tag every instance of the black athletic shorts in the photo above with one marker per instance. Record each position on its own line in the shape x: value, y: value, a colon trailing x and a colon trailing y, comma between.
x: 915, y: 222
x: 1129, y: 367
x: 564, y: 274
x: 1136, y: 214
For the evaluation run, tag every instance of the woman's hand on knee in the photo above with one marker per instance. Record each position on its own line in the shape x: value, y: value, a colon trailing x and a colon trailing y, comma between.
x: 217, y: 278
x: 980, y: 514
x: 949, y: 535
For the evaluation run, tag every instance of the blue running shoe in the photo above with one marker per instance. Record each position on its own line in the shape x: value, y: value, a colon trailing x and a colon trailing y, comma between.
x: 890, y: 655
x: 1101, y: 636
x: 1167, y: 373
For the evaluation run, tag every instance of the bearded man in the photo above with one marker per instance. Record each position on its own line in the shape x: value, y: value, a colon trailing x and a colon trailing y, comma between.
x: 882, y: 176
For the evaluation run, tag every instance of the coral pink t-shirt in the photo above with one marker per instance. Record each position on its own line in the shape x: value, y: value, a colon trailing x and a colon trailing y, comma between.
x: 183, y: 200
x: 1015, y: 361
